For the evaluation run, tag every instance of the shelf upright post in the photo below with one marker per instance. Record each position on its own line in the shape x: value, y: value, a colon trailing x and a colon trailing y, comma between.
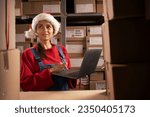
x: 63, y: 22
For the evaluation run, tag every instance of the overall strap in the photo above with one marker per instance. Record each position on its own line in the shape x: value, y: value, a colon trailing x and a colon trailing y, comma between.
x: 38, y: 59
x: 40, y: 63
x: 62, y: 56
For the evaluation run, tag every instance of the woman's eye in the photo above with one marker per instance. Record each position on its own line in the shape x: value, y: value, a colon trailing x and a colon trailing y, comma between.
x: 48, y: 27
x: 40, y: 26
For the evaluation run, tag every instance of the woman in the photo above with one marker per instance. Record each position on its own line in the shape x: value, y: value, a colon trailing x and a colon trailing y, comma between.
x: 37, y: 77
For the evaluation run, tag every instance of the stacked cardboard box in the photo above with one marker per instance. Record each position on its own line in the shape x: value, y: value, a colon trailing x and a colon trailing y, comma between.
x: 94, y: 36
x: 9, y: 56
x: 97, y: 81
x: 75, y: 44
x: 114, y: 9
x: 18, y: 8
x: 4, y: 26
x: 85, y: 6
x: 94, y: 40
x: 36, y: 7
x: 128, y: 40
x: 128, y: 81
x: 126, y: 43
x: 21, y: 42
x: 79, y: 39
x: 99, y: 6
x: 9, y: 74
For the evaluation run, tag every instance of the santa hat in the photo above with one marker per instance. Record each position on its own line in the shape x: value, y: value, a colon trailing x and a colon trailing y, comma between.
x: 42, y: 16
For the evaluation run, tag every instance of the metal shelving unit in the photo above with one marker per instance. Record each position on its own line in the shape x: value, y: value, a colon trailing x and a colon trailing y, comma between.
x: 67, y: 17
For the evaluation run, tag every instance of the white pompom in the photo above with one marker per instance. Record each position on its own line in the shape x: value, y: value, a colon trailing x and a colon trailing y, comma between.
x: 30, y: 34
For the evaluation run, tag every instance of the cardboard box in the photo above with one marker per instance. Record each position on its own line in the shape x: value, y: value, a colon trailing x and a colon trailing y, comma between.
x: 9, y: 74
x: 76, y: 39
x: 94, y: 30
x: 99, y: 7
x: 20, y: 32
x: 94, y: 41
x: 75, y: 49
x: 81, y: 87
x: 97, y: 85
x: 126, y: 40
x: 18, y: 8
x: 21, y: 28
x: 76, y: 62
x: 22, y: 46
x: 84, y: 6
x: 30, y: 8
x: 114, y: 9
x: 20, y: 38
x: 4, y: 25
x: 128, y: 81
x: 75, y: 32
x: 97, y: 76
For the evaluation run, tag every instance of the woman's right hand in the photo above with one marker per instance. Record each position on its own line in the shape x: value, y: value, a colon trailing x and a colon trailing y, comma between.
x: 57, y: 68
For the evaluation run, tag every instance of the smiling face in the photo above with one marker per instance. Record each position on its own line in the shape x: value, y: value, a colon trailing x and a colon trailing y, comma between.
x: 44, y: 31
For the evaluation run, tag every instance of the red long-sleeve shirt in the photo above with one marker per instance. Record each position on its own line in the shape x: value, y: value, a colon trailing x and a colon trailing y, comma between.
x: 32, y: 79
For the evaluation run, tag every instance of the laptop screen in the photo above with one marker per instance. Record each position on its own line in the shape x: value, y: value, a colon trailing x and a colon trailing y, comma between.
x: 89, y: 62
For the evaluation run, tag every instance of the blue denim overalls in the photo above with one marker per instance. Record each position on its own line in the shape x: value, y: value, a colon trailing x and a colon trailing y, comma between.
x: 60, y: 83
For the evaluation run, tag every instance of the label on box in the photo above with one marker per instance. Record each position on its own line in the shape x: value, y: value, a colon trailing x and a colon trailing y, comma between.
x: 96, y: 30
x: 74, y: 48
x: 97, y: 85
x: 76, y: 62
x: 51, y: 8
x: 20, y: 38
x: 95, y: 41
x: 84, y: 8
x: 75, y: 33
x: 100, y: 86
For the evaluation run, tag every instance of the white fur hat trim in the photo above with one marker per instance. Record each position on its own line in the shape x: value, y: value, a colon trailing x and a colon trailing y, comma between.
x: 42, y: 16
x: 30, y: 34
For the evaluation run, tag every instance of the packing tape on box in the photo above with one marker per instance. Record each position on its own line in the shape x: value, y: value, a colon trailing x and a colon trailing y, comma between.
x: 6, y: 61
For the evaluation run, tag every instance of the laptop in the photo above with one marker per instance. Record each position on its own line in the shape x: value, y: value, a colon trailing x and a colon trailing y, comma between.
x: 88, y: 66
